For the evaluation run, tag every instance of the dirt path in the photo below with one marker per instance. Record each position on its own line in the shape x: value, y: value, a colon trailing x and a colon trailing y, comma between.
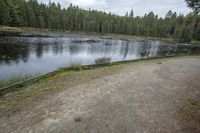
x: 139, y: 97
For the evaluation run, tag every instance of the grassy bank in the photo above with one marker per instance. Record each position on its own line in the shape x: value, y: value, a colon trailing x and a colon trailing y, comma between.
x: 15, y: 79
x: 20, y: 80
x: 48, y: 85
x: 105, y: 35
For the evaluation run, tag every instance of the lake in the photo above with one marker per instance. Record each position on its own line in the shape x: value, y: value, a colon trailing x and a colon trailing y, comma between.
x: 40, y: 55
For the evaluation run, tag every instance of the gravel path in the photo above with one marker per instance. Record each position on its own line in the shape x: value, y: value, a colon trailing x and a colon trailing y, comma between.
x: 140, y: 97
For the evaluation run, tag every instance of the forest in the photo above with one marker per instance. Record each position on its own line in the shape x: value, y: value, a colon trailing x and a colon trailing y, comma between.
x: 31, y: 13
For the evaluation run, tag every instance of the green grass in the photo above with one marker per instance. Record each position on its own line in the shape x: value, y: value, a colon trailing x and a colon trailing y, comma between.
x: 15, y: 79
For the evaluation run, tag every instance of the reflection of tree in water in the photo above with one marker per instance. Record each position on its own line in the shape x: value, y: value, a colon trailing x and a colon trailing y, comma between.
x: 39, y: 49
x: 103, y: 60
x: 14, y: 52
x: 124, y: 49
x: 144, y: 48
x: 95, y: 48
x: 103, y: 47
x: 187, y: 49
x: 57, y: 48
x: 133, y: 47
x: 74, y: 49
x: 42, y: 47
x: 16, y: 49
x: 107, y: 48
x: 166, y: 49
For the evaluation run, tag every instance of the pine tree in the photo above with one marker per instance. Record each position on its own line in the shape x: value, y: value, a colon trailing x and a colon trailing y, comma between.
x: 131, y: 15
x: 4, y: 13
x: 33, y: 14
x: 194, y: 5
x: 15, y: 18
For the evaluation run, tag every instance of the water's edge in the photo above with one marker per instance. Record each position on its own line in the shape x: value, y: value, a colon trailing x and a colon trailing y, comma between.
x: 21, y: 84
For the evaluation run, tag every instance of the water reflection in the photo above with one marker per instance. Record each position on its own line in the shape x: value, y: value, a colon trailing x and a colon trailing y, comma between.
x: 103, y: 60
x: 57, y: 48
x: 124, y: 49
x: 39, y: 49
x: 25, y: 55
x: 14, y: 53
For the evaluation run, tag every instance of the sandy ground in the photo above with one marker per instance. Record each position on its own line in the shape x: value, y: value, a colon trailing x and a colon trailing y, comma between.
x: 140, y: 97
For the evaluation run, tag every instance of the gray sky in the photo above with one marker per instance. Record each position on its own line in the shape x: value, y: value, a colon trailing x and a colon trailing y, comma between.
x: 140, y: 7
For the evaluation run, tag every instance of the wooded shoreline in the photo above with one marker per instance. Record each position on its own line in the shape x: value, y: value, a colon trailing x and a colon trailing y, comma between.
x: 37, y: 32
x: 32, y: 13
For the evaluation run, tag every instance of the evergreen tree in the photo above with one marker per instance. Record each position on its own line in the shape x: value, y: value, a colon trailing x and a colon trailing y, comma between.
x: 131, y: 14
x: 194, y: 5
x: 4, y: 13
x: 33, y: 14
x: 14, y: 12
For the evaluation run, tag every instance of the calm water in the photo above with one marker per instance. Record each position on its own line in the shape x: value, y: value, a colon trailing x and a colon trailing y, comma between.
x: 31, y: 55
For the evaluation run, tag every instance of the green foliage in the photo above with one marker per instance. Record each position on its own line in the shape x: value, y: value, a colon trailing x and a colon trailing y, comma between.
x: 30, y: 13
x: 194, y: 5
x: 4, y: 12
x: 14, y: 12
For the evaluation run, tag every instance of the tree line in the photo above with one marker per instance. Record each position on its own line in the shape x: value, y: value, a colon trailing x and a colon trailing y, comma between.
x: 31, y: 13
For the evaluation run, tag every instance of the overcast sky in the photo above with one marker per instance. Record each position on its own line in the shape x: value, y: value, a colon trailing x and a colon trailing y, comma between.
x: 120, y: 7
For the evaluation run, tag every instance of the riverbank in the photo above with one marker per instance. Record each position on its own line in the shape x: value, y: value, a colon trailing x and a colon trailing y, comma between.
x: 110, y: 98
x: 36, y: 32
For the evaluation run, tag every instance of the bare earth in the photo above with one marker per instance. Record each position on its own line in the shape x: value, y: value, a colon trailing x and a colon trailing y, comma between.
x: 141, y: 97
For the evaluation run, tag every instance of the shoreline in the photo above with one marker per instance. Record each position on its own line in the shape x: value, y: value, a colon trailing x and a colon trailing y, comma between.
x: 36, y: 32
x: 33, y: 79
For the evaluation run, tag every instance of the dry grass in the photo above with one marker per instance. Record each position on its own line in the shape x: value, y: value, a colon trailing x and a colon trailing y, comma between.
x: 8, y: 28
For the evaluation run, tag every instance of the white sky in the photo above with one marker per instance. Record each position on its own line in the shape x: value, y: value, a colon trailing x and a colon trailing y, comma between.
x: 120, y: 7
